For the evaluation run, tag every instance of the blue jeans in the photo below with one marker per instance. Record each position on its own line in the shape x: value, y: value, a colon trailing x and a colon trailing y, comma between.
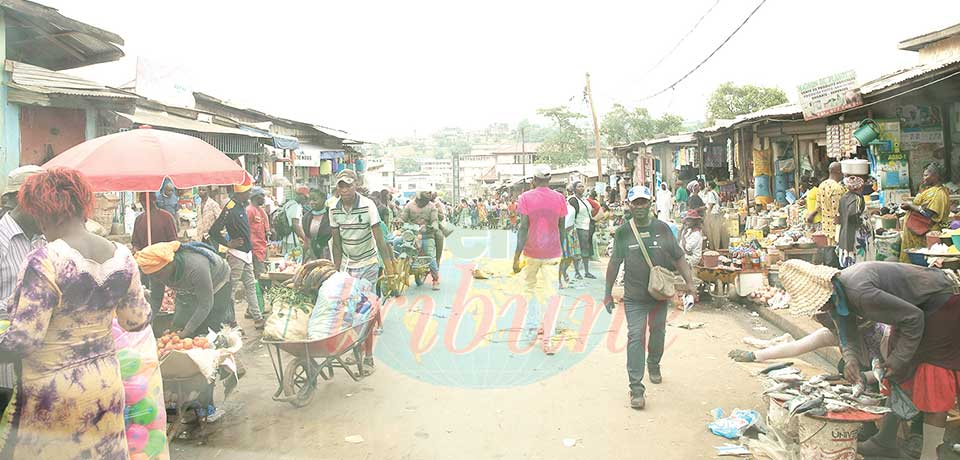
x: 639, y: 316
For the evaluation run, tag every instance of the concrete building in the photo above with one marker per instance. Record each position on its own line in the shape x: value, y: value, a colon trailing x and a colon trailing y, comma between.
x: 381, y: 174
x: 410, y: 183
x: 46, y: 112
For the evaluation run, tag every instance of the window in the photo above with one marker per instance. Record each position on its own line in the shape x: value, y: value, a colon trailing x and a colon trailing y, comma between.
x: 386, y: 174
x: 411, y: 186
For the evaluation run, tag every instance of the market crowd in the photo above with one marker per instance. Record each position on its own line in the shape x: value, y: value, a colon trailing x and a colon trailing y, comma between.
x: 62, y: 286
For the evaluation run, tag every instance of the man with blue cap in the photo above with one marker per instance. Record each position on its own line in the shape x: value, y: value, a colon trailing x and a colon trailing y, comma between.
x: 659, y: 248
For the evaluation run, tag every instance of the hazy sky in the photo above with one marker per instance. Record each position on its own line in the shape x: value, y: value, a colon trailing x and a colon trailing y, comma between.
x: 386, y: 68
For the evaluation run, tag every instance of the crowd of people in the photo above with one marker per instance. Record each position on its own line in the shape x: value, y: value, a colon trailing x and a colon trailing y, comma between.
x: 59, y: 280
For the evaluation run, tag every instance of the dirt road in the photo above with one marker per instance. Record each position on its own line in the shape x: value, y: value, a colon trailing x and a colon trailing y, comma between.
x: 482, y: 405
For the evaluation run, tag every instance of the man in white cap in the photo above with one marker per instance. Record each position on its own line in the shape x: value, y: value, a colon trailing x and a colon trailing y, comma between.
x: 640, y: 308
x: 19, y: 235
x: 542, y: 213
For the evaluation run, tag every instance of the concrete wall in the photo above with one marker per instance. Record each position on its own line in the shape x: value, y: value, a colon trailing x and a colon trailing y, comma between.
x: 948, y: 48
x: 49, y: 130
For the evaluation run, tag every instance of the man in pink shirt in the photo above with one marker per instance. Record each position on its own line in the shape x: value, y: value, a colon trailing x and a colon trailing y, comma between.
x: 542, y: 213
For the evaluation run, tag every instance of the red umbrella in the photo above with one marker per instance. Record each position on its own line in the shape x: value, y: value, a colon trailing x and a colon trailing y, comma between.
x: 139, y: 160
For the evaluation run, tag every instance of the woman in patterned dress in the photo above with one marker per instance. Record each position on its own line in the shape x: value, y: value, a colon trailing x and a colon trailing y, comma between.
x: 70, y: 397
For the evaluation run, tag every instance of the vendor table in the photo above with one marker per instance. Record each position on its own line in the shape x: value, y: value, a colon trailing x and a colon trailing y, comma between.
x: 812, y: 255
x: 721, y: 277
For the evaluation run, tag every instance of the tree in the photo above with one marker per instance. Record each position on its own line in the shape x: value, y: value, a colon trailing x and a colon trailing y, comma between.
x: 532, y: 132
x: 622, y: 126
x: 566, y: 145
x: 407, y: 165
x: 729, y: 100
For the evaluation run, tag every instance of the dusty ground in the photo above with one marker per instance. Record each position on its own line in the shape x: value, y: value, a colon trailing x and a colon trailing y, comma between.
x: 400, y: 416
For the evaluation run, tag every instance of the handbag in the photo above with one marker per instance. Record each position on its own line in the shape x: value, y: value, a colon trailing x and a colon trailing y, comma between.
x: 918, y: 224
x: 662, y: 285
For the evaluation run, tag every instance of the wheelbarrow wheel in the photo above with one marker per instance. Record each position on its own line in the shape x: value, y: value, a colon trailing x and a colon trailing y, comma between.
x: 298, y: 381
x: 419, y: 278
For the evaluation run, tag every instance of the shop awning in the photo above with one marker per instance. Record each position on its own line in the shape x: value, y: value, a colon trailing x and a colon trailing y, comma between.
x: 279, y: 140
x: 163, y: 119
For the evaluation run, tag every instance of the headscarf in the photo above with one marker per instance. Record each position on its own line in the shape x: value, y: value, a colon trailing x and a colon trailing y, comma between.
x: 853, y: 182
x: 692, y: 185
x: 153, y: 258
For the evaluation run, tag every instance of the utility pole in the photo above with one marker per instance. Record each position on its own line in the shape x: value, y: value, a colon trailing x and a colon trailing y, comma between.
x: 523, y: 152
x: 596, y: 129
x: 455, y: 163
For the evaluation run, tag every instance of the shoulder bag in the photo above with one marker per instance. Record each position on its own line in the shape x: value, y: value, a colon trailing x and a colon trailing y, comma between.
x: 662, y: 285
x: 918, y: 224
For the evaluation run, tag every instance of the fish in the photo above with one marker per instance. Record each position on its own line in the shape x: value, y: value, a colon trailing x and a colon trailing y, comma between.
x: 794, y: 378
x: 816, y: 379
x: 857, y: 390
x: 778, y: 387
x: 805, y: 405
x: 878, y: 372
x: 784, y: 371
x: 779, y: 396
x: 876, y: 410
x: 776, y: 366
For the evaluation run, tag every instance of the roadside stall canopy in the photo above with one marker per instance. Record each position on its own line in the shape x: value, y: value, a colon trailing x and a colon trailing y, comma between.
x: 139, y: 160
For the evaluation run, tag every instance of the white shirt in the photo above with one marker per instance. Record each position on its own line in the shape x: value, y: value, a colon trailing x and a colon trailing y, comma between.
x: 711, y: 197
x: 294, y: 210
x: 692, y: 244
x: 583, y: 216
x: 664, y: 202
x: 569, y: 221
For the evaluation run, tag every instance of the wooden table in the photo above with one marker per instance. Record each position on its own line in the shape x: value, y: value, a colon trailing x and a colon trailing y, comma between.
x: 812, y: 255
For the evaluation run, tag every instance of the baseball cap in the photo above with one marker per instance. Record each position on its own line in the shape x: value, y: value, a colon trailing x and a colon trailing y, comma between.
x: 257, y: 191
x: 18, y: 176
x: 639, y: 191
x: 303, y: 190
x: 348, y: 176
x: 542, y: 171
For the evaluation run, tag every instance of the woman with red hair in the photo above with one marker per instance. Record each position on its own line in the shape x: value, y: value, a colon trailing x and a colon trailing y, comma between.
x: 70, y: 397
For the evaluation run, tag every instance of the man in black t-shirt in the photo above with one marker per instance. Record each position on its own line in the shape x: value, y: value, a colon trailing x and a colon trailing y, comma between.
x: 639, y: 307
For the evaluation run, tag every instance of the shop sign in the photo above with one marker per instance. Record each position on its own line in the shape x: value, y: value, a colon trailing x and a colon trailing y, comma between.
x: 307, y: 159
x: 830, y: 95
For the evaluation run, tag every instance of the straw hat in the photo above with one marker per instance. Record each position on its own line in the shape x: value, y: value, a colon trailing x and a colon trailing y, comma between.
x: 809, y: 285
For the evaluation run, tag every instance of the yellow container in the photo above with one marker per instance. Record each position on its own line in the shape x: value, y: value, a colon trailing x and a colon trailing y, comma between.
x: 326, y: 168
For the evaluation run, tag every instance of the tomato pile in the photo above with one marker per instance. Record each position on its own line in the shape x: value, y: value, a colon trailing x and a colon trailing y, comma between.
x: 170, y: 342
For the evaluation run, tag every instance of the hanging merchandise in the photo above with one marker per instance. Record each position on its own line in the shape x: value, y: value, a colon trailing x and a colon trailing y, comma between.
x: 361, y: 164
x: 714, y: 156
x: 921, y: 138
x: 840, y: 140
x: 326, y: 168
x: 892, y: 169
x: 761, y: 162
x: 761, y: 185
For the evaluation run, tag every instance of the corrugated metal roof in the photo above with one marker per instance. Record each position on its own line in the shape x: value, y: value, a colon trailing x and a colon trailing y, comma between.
x: 41, y: 35
x: 904, y: 75
x: 45, y: 81
x: 155, y: 118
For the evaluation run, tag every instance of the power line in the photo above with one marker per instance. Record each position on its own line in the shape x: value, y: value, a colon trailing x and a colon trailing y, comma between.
x: 704, y: 61
x: 665, y: 56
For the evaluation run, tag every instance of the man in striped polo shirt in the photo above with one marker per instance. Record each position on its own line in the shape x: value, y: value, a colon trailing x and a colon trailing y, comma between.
x: 357, y: 237
x: 19, y: 235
